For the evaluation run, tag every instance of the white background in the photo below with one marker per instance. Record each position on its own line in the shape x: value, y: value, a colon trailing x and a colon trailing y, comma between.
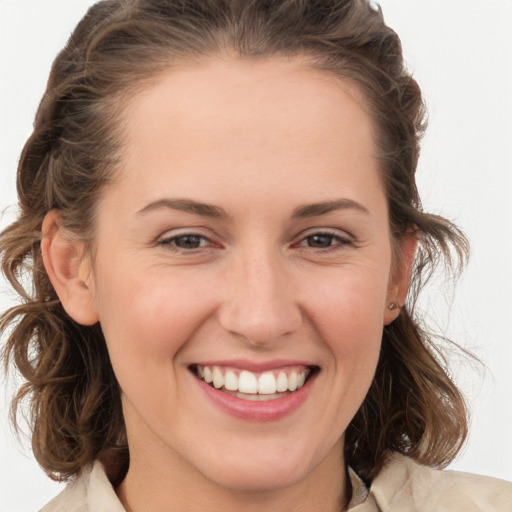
x: 461, y: 53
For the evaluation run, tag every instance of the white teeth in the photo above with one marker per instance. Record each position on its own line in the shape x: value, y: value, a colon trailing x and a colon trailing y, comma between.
x: 207, y: 375
x: 231, y: 381
x: 247, y: 382
x: 218, y: 378
x: 292, y: 381
x: 282, y: 382
x: 258, y: 398
x: 267, y: 384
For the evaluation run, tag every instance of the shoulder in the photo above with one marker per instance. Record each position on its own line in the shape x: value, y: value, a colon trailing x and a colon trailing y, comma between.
x: 72, y: 498
x: 403, y: 484
x: 90, y: 492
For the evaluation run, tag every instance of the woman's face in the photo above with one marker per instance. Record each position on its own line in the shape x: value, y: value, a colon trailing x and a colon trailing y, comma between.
x: 246, y: 237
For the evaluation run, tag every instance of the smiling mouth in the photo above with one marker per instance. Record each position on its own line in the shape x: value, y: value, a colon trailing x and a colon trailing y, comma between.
x: 247, y: 385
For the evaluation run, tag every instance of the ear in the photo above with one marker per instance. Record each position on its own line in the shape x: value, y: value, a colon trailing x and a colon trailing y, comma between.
x: 69, y: 270
x: 400, y: 277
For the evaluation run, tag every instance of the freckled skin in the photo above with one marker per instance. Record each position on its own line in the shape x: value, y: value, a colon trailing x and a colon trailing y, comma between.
x: 258, y: 140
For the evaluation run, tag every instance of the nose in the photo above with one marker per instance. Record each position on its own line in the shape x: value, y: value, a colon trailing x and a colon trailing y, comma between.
x: 260, y: 304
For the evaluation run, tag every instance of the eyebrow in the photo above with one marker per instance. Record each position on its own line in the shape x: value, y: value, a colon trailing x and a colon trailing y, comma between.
x: 216, y: 212
x: 187, y: 206
x: 315, y: 209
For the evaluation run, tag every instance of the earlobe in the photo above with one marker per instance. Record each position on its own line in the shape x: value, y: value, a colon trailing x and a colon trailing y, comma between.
x: 401, y: 278
x: 68, y: 270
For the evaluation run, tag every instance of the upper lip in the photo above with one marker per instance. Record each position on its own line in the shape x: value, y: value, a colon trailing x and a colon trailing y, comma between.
x: 255, y: 366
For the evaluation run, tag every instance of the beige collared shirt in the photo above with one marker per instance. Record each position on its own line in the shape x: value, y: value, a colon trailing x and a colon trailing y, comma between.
x: 402, y: 486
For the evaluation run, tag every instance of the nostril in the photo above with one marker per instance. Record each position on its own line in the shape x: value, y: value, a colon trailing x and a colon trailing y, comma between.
x: 260, y: 328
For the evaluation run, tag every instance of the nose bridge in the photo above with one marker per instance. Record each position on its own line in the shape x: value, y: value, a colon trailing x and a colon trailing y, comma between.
x: 260, y: 305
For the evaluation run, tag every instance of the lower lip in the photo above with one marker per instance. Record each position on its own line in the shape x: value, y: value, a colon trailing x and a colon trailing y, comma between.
x: 258, y: 411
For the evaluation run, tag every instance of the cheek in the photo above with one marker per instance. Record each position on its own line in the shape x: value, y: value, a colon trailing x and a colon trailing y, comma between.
x: 350, y: 304
x: 349, y: 317
x: 146, y: 321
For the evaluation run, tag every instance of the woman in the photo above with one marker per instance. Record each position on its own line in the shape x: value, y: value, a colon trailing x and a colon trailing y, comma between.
x: 218, y: 203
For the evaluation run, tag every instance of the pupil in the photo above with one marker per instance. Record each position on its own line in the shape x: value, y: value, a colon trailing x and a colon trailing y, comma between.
x: 320, y: 241
x: 188, y: 242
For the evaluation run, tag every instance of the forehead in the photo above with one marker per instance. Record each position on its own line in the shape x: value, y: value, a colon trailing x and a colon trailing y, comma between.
x: 243, y: 92
x: 253, y: 120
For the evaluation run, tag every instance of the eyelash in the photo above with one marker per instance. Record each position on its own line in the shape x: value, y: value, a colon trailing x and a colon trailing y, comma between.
x: 340, y: 241
x: 335, y: 240
x: 171, y: 242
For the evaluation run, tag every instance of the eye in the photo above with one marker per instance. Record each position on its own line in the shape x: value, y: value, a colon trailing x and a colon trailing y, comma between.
x: 320, y: 241
x: 188, y: 241
x: 325, y: 240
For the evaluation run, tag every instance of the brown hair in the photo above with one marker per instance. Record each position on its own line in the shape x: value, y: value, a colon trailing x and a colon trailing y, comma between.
x: 412, y: 407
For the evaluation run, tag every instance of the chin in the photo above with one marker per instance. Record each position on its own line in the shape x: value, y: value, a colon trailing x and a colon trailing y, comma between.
x: 257, y: 478
x: 252, y: 465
